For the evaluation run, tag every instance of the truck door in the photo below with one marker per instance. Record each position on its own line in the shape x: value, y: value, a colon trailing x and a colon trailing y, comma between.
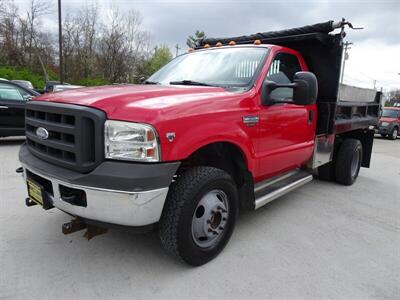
x: 286, y: 131
x: 12, y: 110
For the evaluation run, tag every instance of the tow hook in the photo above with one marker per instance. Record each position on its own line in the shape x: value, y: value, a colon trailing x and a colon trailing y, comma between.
x: 73, y: 226
x: 92, y: 231
x: 29, y: 202
x: 78, y: 224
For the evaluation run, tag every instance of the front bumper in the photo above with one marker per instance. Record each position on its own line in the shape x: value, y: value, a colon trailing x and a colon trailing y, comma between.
x: 133, y: 201
x: 384, y: 129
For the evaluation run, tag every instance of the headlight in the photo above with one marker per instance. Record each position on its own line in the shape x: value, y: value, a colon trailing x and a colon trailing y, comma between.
x: 130, y: 141
x: 384, y: 124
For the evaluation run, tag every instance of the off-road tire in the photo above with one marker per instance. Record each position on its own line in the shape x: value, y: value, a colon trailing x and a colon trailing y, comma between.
x: 185, y: 193
x: 345, y: 156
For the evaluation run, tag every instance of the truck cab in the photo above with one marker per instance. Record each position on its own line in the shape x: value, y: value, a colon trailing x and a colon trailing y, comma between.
x: 229, y: 126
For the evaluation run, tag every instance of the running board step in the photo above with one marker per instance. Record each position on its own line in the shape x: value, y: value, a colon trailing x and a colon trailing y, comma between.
x: 274, y: 188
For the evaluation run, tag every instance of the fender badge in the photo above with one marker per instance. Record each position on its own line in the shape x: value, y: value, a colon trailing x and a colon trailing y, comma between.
x: 170, y: 136
x: 250, y: 120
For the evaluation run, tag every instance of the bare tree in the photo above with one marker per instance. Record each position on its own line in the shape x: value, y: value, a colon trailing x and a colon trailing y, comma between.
x: 20, y: 36
x: 122, y: 44
x: 37, y: 9
x: 114, y: 49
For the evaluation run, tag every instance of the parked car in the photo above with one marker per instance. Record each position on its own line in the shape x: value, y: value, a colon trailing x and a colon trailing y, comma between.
x: 232, y: 125
x: 49, y: 86
x: 56, y: 86
x: 24, y: 83
x: 62, y: 87
x: 389, y: 123
x: 13, y: 98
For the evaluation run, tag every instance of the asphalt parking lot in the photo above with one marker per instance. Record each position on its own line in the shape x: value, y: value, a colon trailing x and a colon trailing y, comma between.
x: 321, y: 241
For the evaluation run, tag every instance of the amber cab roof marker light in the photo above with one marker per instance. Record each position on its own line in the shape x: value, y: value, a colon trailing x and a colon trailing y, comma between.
x: 206, y: 46
x: 219, y: 44
x: 232, y: 43
x: 257, y: 42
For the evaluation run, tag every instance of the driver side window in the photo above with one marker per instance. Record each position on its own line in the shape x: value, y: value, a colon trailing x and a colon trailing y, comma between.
x: 282, y: 71
x: 10, y: 92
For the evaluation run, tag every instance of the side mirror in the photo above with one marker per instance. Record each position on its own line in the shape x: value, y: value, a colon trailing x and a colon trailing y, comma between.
x: 28, y: 97
x: 142, y: 79
x: 305, y: 90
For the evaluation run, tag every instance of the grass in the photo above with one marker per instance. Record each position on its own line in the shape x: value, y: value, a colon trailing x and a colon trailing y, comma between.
x: 15, y: 73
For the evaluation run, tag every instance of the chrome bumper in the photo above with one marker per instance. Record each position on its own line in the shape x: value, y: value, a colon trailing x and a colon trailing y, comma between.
x: 110, y: 206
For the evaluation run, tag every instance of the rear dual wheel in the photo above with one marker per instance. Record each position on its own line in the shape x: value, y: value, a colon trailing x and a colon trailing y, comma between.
x: 345, y: 167
x: 348, y: 161
x: 199, y: 215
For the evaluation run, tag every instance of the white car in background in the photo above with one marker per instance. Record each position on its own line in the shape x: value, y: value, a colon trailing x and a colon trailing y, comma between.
x: 24, y: 83
x: 62, y: 87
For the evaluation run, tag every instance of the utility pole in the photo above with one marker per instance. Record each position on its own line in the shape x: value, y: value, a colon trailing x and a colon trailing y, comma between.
x: 60, y: 43
x: 344, y: 58
x: 177, y: 49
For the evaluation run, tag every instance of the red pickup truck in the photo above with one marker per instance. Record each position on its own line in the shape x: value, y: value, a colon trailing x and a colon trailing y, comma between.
x: 389, y: 123
x: 232, y: 125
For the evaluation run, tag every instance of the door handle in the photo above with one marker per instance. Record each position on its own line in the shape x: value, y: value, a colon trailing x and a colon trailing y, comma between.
x: 3, y: 107
x: 310, y: 117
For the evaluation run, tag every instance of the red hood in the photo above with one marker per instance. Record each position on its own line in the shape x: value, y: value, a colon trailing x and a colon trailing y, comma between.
x: 141, y: 103
x: 383, y: 119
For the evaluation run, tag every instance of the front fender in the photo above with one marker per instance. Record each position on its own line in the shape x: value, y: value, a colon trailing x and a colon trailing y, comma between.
x: 200, y: 135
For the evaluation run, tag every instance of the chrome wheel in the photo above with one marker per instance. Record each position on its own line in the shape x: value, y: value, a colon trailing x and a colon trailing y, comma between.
x: 210, y: 218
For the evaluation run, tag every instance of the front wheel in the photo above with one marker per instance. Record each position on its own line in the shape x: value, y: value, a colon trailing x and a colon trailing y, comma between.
x: 199, y: 215
x: 394, y: 133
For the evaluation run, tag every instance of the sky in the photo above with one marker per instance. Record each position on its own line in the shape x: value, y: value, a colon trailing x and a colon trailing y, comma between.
x: 374, y: 57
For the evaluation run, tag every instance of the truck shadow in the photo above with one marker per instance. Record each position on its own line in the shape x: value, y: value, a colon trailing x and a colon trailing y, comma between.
x: 12, y: 141
x: 378, y: 137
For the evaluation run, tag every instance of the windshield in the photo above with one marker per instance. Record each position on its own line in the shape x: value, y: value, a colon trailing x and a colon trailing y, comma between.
x: 225, y: 67
x: 390, y: 113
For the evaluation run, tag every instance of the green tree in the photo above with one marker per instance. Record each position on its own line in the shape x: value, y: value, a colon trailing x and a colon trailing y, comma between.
x: 192, y: 39
x: 158, y: 59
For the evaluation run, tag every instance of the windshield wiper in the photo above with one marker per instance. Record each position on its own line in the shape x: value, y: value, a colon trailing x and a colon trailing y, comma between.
x: 190, y: 82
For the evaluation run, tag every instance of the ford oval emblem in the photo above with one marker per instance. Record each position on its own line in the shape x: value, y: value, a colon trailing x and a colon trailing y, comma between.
x: 42, y: 133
